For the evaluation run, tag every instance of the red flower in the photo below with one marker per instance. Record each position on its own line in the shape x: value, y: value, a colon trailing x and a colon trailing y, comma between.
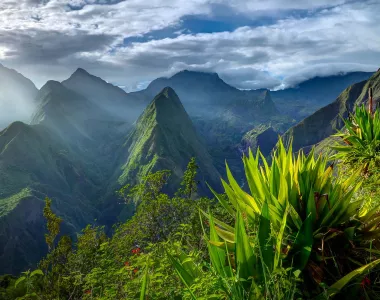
x: 126, y: 264
x: 135, y: 270
x: 365, y: 282
x: 136, y: 251
x: 87, y: 292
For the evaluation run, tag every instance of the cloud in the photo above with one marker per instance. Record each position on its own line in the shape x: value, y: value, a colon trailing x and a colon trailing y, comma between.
x: 48, y: 47
x: 50, y: 39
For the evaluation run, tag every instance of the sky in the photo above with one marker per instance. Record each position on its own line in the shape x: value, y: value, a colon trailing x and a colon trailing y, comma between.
x: 250, y: 44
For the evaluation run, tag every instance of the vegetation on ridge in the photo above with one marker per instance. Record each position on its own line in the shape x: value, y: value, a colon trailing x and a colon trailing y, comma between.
x: 299, y: 231
x: 301, y: 227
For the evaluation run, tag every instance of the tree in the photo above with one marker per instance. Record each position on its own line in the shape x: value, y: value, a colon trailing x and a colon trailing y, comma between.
x: 53, y: 224
x: 189, y: 183
x: 147, y: 190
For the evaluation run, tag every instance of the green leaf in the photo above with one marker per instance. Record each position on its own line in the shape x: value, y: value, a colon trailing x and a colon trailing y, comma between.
x: 145, y: 280
x: 337, y: 286
x: 244, y: 253
x: 183, y: 274
x: 224, y: 203
x: 217, y: 255
x: 37, y: 272
x: 18, y: 281
x: 265, y: 243
x: 303, y: 244
x: 225, y: 235
x: 280, y: 236
x: 220, y: 223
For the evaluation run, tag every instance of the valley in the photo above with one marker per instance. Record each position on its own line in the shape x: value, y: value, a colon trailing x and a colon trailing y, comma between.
x: 86, y: 138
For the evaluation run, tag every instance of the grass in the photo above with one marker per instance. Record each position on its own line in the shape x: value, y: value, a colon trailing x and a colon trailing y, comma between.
x: 9, y: 203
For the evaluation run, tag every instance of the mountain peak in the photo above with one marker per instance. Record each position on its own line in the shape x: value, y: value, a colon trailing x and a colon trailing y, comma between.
x: 52, y: 83
x: 166, y: 96
x: 196, y: 75
x: 167, y: 106
x: 82, y: 74
x: 49, y: 87
x: 81, y: 71
x: 164, y: 138
x: 165, y: 110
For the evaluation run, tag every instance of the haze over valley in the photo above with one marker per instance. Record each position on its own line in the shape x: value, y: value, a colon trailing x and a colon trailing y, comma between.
x: 98, y: 95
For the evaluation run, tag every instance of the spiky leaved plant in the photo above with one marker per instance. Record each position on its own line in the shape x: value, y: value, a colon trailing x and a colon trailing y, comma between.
x: 298, y: 216
x: 361, y: 135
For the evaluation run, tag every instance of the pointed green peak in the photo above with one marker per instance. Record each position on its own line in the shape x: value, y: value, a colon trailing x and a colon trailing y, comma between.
x: 167, y: 101
x: 165, y: 108
x: 166, y: 96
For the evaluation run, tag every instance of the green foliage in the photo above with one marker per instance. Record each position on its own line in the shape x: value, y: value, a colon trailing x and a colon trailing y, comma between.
x: 53, y: 224
x: 244, y: 265
x: 27, y: 279
x: 362, y: 141
x: 148, y: 190
x: 189, y: 183
x: 299, y: 210
x: 9, y: 203
x: 300, y: 232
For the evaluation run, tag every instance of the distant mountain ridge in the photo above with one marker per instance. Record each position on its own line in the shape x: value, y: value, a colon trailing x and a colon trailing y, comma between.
x: 221, y: 113
x: 328, y: 119
x: 200, y: 90
x: 312, y: 94
x: 105, y: 95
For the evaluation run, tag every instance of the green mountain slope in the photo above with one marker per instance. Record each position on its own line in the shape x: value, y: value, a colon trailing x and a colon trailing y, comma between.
x: 16, y: 97
x: 67, y: 154
x: 328, y: 119
x: 79, y: 154
x: 164, y: 138
x: 34, y: 163
x: 221, y: 114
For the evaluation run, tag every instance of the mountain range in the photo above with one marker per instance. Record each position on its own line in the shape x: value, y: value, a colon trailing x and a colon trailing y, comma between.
x: 86, y: 138
x: 327, y: 120
x: 309, y: 96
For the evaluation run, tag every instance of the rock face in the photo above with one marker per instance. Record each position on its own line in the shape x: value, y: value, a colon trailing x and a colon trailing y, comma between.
x: 315, y: 93
x: 328, y: 119
x: 263, y: 137
x: 16, y: 97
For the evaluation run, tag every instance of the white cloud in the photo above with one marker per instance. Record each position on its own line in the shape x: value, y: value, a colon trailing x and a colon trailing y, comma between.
x: 46, y: 39
x: 274, y: 5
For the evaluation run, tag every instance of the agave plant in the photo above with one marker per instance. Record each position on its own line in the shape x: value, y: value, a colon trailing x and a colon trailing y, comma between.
x: 361, y: 136
x: 298, y: 216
